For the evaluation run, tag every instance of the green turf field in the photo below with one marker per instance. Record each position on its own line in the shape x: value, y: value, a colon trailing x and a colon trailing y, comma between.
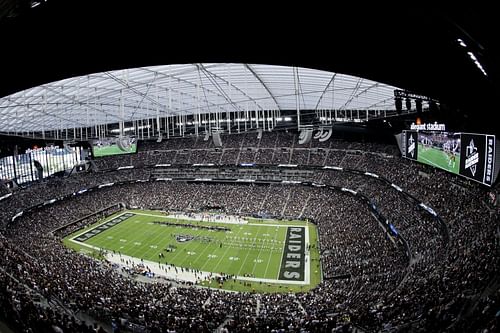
x: 112, y: 150
x: 437, y: 158
x: 274, y: 255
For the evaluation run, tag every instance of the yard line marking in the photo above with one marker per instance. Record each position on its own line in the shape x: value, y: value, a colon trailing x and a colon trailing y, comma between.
x: 258, y: 257
x: 207, y: 247
x: 269, y: 260
x: 127, y: 230
x: 220, y: 260
x: 159, y: 235
x: 248, y: 253
x: 204, y: 248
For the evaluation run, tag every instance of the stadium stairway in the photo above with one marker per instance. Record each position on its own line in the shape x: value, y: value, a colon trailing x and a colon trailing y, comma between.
x: 219, y: 329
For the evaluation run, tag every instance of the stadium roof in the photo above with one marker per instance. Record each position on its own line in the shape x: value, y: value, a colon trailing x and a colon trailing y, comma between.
x: 417, y: 47
x: 145, y: 92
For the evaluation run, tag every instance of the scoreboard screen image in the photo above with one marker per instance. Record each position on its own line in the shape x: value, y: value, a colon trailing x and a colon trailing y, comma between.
x: 465, y: 154
x: 114, y: 146
x: 440, y: 150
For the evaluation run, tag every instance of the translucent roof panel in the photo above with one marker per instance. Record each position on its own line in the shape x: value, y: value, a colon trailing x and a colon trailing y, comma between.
x: 145, y: 92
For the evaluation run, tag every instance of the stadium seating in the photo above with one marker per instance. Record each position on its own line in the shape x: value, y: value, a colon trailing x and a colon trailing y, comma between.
x: 450, y: 283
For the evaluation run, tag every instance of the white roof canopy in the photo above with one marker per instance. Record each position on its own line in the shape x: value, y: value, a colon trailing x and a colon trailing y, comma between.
x: 145, y: 92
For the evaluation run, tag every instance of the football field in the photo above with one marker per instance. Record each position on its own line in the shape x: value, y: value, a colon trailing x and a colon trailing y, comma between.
x: 437, y: 158
x: 267, y: 253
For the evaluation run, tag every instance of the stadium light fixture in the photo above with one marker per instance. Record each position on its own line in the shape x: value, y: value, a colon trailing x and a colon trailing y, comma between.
x: 478, y: 64
x: 408, y: 104
x: 461, y: 42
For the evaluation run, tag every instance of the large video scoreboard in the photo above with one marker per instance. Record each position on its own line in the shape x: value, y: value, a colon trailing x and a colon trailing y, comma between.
x: 466, y: 154
x: 114, y: 146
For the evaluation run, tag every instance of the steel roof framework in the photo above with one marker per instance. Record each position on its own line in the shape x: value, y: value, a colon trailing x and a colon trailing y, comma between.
x: 174, y: 90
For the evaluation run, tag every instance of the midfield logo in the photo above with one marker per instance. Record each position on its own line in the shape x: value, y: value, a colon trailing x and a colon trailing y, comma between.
x: 183, y: 238
x: 471, y: 157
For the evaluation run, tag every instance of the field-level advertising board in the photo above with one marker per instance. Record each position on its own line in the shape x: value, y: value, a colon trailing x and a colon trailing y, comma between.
x: 465, y: 154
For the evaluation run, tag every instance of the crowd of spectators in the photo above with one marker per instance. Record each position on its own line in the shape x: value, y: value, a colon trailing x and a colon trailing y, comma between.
x: 271, y: 148
x: 449, y: 282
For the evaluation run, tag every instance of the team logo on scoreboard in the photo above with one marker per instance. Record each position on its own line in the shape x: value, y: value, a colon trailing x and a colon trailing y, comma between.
x: 411, y: 146
x: 471, y: 157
